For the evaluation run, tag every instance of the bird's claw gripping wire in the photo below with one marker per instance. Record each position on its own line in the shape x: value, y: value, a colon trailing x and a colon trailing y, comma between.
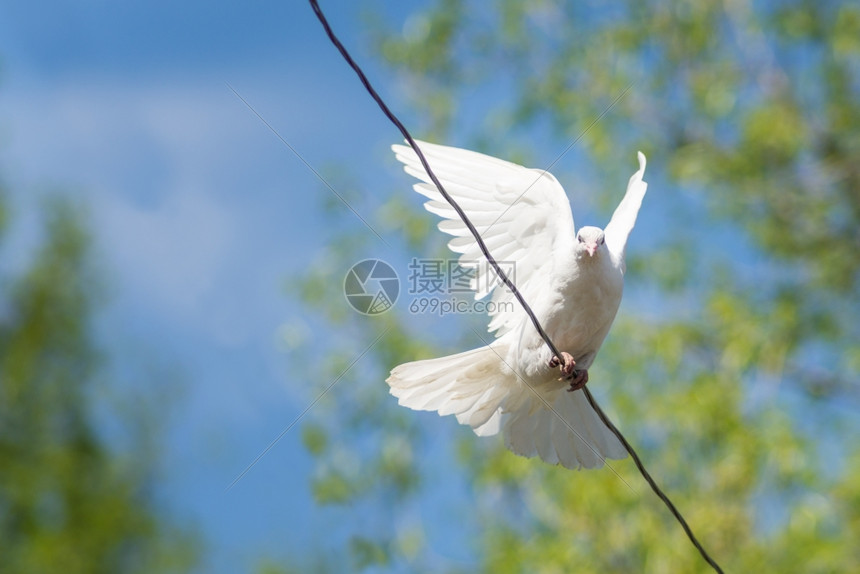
x: 577, y: 377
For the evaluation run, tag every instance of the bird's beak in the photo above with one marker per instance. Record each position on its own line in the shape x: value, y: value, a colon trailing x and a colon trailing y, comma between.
x: 591, y: 248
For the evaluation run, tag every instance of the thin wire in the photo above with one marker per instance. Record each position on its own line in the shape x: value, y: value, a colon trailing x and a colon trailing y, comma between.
x: 388, y: 113
x: 321, y: 17
x: 647, y: 476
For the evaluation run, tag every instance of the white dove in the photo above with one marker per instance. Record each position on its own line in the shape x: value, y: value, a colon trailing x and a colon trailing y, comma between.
x: 573, y: 282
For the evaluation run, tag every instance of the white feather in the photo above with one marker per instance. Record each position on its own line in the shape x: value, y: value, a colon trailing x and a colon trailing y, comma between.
x: 525, y: 219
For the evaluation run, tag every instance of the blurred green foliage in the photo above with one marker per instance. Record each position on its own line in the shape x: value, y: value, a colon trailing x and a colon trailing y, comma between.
x: 70, y: 499
x: 737, y: 376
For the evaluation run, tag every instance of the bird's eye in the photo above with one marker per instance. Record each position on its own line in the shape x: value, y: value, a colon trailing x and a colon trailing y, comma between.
x: 602, y: 240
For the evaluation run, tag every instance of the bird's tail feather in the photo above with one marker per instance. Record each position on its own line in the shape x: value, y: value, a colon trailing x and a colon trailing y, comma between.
x: 570, y: 433
x: 475, y: 388
x: 470, y: 385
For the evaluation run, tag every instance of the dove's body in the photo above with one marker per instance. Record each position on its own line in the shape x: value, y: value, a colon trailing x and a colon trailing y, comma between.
x: 573, y: 282
x: 576, y: 311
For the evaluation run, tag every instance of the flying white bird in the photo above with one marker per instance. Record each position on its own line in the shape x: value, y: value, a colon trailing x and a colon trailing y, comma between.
x: 573, y: 282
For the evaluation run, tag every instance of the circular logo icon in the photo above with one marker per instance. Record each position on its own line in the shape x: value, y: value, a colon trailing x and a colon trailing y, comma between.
x: 371, y: 287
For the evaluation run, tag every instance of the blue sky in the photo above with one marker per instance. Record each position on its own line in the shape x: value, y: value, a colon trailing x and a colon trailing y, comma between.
x: 199, y: 214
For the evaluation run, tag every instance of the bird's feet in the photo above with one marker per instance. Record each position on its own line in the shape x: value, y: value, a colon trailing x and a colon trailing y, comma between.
x: 577, y: 377
x: 566, y: 366
x: 578, y: 380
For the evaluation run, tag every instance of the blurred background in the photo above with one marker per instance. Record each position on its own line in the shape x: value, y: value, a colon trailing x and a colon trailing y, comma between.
x: 184, y: 187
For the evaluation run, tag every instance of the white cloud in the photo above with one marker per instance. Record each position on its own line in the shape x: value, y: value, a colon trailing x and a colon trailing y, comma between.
x: 194, y: 202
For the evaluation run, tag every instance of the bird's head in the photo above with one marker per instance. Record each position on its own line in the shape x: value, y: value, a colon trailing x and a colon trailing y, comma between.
x: 590, y: 242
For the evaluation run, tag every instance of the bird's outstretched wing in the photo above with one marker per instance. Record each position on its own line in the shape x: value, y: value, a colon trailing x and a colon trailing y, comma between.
x: 522, y: 214
x: 624, y: 218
